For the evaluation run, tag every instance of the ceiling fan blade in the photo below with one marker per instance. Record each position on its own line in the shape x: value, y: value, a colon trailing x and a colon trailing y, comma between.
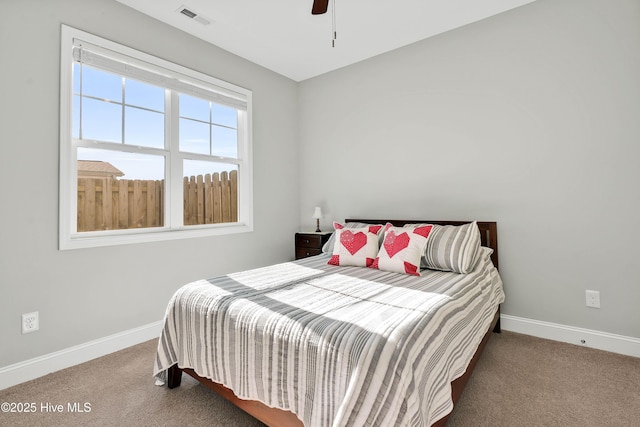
x: 319, y: 7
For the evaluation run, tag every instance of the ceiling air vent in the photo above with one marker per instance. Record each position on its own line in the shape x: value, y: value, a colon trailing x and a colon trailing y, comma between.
x: 188, y: 13
x: 191, y: 14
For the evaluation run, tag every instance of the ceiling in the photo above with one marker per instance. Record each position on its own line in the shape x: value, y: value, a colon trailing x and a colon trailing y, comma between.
x: 283, y: 35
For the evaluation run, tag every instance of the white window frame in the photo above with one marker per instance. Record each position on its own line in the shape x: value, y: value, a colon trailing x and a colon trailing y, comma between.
x: 69, y: 238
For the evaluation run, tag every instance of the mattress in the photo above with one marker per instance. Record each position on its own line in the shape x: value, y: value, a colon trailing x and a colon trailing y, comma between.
x: 337, y: 346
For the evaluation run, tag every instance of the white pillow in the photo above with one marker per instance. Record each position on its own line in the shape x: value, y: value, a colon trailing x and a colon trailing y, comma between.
x: 328, y: 247
x: 356, y: 246
x: 402, y: 249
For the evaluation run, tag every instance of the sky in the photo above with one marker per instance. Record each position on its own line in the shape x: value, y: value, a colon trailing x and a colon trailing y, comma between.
x: 204, y: 127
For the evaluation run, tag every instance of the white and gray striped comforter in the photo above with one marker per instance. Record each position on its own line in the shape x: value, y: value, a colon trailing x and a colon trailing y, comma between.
x: 338, y: 346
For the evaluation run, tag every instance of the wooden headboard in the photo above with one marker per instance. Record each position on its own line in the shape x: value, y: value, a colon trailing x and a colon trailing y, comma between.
x: 488, y: 230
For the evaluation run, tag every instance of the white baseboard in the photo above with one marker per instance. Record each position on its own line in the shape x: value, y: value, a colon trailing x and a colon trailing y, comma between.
x: 39, y: 366
x: 585, y: 337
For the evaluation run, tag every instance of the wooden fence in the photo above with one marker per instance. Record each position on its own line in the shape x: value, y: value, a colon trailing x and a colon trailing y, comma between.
x: 110, y: 204
x: 211, y: 199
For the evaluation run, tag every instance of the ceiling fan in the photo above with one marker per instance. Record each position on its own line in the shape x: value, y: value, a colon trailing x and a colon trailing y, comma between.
x: 319, y: 7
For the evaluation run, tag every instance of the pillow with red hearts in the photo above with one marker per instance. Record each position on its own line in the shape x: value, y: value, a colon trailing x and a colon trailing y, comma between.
x: 355, y: 246
x: 402, y: 249
x: 329, y: 246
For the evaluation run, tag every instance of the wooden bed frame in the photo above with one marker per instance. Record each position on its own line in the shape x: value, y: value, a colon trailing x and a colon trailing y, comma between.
x: 275, y: 417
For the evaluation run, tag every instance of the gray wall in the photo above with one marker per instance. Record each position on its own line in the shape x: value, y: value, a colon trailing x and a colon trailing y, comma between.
x: 88, y: 294
x: 530, y: 118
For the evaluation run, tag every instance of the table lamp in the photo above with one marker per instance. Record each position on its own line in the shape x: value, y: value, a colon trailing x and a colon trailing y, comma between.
x: 317, y: 214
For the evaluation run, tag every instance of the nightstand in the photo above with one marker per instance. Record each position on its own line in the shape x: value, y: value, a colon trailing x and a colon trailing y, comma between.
x: 310, y: 244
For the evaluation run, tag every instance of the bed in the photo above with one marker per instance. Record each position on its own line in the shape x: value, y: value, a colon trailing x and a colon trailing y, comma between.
x: 313, y: 344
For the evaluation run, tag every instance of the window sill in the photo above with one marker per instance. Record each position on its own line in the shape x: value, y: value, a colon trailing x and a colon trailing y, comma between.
x: 126, y: 237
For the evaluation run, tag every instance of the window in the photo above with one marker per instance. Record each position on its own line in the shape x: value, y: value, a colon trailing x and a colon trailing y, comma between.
x: 150, y: 150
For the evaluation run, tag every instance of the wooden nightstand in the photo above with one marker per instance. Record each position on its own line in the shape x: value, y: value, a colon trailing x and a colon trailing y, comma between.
x: 310, y: 244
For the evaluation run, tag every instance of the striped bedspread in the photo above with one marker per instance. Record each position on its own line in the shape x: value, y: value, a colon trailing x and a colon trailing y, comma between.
x: 337, y: 346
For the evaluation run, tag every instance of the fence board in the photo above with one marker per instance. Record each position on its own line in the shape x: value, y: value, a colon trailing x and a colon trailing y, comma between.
x: 192, y: 202
x: 107, y: 204
x: 200, y: 200
x: 208, y: 199
x: 152, y: 220
x: 90, y: 204
x: 233, y: 197
x: 98, y: 222
x: 135, y: 201
x: 225, y: 193
x: 123, y: 204
x: 80, y: 205
x: 160, y: 202
x: 217, y: 199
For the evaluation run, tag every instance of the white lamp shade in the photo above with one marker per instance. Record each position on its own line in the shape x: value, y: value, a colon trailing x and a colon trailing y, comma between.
x: 317, y: 213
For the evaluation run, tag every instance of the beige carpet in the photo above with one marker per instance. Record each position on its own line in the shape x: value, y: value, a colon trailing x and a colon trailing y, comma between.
x: 519, y: 381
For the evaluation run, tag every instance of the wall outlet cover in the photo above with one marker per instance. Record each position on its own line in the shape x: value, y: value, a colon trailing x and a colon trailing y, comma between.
x: 30, y: 322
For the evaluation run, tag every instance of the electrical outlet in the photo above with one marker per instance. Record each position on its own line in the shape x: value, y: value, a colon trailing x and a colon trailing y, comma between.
x: 593, y: 299
x: 30, y: 322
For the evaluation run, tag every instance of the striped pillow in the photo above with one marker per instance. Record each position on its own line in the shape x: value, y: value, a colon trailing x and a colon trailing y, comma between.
x: 452, y: 248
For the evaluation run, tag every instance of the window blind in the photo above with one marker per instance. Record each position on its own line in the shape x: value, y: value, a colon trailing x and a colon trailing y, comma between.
x: 123, y: 65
